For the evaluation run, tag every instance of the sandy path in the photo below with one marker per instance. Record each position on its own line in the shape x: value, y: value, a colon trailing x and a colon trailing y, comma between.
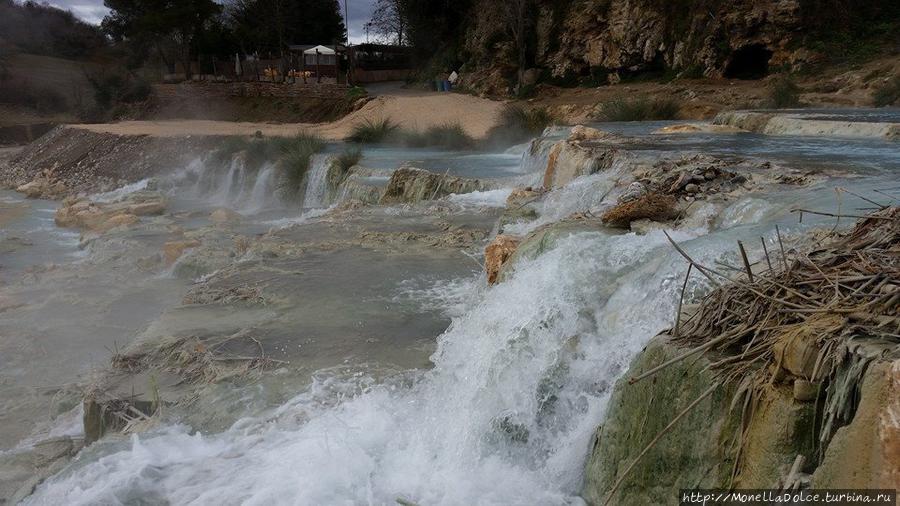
x: 420, y: 111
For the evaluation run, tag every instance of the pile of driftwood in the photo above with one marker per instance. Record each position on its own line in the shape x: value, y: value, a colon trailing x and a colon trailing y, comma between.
x: 849, y: 288
x: 804, y: 315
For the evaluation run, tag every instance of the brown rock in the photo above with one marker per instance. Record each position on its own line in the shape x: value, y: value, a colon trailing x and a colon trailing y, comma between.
x: 521, y: 196
x: 652, y: 206
x: 497, y: 253
x: 173, y: 250
x: 152, y: 208
x: 119, y: 220
x: 224, y: 215
x: 583, y: 133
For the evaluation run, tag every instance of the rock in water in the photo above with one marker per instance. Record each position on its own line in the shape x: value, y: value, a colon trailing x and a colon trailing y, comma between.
x: 497, y: 253
x: 652, y: 206
x: 225, y: 215
x: 409, y: 185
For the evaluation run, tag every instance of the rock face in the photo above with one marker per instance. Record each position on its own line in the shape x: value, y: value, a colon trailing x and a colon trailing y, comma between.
x: 700, y: 449
x: 408, y: 185
x: 604, y: 41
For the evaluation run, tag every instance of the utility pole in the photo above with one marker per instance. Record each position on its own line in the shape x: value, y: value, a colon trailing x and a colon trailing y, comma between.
x: 347, y: 21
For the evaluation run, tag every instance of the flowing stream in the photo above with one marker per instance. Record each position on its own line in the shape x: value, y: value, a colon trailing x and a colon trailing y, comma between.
x: 492, y: 399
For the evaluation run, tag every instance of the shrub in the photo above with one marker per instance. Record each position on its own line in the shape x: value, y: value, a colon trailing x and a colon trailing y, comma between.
x: 888, y: 93
x: 343, y: 163
x: 641, y: 109
x: 355, y: 93
x: 448, y: 135
x: 518, y: 124
x: 372, y: 131
x: 784, y: 93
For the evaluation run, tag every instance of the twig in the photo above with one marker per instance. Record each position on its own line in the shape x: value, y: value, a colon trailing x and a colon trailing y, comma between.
x: 766, y: 251
x: 746, y: 261
x: 681, y: 300
x: 691, y: 260
x: 781, y: 245
x: 832, y: 215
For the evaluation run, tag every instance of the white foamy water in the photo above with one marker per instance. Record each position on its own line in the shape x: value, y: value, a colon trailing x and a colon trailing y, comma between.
x: 316, y: 195
x: 120, y: 193
x: 520, y: 382
x: 489, y: 198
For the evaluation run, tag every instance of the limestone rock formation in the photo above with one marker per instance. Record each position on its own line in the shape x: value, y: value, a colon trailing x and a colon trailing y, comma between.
x: 497, y: 253
x: 409, y: 185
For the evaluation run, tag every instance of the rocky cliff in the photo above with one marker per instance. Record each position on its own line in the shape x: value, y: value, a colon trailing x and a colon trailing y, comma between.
x: 604, y: 41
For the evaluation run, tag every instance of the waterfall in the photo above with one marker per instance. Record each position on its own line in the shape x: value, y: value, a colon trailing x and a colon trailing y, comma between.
x: 317, y: 181
x: 519, y: 384
x: 261, y: 194
x: 234, y: 179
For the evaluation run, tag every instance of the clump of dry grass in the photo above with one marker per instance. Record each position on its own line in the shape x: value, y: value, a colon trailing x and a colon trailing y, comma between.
x: 652, y: 206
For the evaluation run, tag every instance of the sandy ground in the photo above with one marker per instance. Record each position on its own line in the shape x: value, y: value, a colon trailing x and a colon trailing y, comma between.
x: 417, y: 111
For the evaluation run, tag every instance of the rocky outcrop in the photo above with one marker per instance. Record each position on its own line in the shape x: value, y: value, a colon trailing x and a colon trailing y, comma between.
x: 585, y: 151
x: 44, y: 186
x: 700, y: 450
x: 102, y: 217
x: 796, y: 124
x: 409, y: 185
x: 497, y: 253
x: 768, y: 397
x: 605, y: 41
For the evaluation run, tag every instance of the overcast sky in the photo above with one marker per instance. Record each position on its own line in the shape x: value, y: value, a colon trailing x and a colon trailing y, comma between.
x: 93, y: 11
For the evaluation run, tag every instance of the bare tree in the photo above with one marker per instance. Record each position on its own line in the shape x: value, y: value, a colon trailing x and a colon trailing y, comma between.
x: 389, y: 20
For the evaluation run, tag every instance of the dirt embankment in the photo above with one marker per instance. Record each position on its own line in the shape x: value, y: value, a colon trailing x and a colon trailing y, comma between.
x: 81, y: 160
x: 415, y: 111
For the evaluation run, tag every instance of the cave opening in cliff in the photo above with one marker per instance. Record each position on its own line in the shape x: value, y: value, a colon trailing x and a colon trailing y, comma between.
x: 749, y: 62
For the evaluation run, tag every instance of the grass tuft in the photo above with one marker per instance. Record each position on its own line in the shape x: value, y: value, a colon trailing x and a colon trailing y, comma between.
x: 518, y: 124
x: 888, y: 93
x: 640, y: 109
x: 373, y: 131
x: 784, y: 93
x: 448, y: 135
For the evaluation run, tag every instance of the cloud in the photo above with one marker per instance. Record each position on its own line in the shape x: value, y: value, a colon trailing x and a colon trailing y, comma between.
x: 91, y: 11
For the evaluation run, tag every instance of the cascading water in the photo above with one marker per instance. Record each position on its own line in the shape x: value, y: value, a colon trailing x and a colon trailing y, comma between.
x: 505, y: 417
x: 316, y: 195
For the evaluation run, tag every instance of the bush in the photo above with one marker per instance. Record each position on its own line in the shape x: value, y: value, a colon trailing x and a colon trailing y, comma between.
x: 888, y: 93
x: 641, y: 109
x: 355, y: 93
x: 784, y: 93
x: 343, y: 163
x: 518, y: 124
x: 448, y: 135
x: 372, y: 131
